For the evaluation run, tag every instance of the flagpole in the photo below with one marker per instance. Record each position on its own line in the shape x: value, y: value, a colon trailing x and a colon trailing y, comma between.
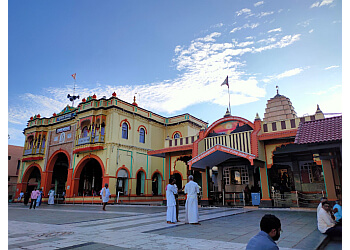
x: 73, y: 92
x: 229, y: 99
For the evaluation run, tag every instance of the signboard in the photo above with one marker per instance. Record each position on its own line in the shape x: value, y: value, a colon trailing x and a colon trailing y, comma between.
x: 65, y: 117
x: 64, y: 129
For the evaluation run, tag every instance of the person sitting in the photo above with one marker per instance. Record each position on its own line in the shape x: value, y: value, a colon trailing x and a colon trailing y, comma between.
x: 337, y: 212
x: 325, y: 223
x: 323, y: 199
x: 270, y: 227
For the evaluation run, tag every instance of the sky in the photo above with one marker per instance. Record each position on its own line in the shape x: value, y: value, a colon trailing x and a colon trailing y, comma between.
x: 173, y: 56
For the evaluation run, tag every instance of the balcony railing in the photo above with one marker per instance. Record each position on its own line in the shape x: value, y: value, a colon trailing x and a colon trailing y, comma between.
x: 33, y: 151
x: 89, y: 139
x: 239, y: 141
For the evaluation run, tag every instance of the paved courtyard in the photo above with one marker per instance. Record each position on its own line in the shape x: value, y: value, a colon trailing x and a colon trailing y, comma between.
x: 144, y: 227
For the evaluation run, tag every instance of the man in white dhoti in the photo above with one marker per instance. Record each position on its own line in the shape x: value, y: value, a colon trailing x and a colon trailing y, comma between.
x: 171, y: 190
x: 105, y: 196
x: 51, y: 194
x: 191, y: 189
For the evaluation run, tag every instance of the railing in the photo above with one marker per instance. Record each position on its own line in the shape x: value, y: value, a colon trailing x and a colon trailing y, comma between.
x: 239, y: 141
x: 180, y: 141
x: 89, y: 139
x: 296, y: 199
x: 33, y: 151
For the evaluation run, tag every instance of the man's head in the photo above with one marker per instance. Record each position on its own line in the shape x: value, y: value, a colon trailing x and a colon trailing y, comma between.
x: 34, y: 188
x: 326, y: 206
x: 271, y: 225
x: 106, y: 185
x: 190, y: 178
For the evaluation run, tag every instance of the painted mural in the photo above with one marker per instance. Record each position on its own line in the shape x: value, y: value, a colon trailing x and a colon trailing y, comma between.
x: 229, y: 127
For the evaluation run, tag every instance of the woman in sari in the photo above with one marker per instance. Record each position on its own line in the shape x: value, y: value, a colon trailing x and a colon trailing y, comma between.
x: 51, y: 194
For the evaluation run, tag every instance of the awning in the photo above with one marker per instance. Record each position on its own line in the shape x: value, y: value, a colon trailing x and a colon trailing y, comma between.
x: 217, y: 155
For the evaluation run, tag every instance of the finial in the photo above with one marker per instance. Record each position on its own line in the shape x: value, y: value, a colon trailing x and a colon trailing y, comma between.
x: 277, y: 89
x: 134, y: 103
x: 318, y: 110
x: 227, y: 113
x: 257, y: 117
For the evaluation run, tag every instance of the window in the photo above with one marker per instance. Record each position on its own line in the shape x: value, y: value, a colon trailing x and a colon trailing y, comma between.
x: 274, y: 126
x: 177, y: 135
x: 9, y: 157
x: 283, y: 124
x: 302, y: 119
x: 292, y: 123
x: 311, y: 173
x: 239, y: 175
x: 142, y: 135
x: 227, y: 176
x: 265, y: 127
x: 125, y: 131
x: 85, y: 131
x: 18, y: 166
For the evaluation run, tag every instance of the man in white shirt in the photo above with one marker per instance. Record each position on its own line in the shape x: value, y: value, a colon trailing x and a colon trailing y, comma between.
x: 191, y: 189
x: 323, y: 199
x: 325, y: 222
x: 171, y: 190
x: 105, y: 196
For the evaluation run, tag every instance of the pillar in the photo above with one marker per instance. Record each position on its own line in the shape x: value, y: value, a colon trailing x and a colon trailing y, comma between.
x: 264, y: 182
x: 205, y: 187
x: 328, y: 180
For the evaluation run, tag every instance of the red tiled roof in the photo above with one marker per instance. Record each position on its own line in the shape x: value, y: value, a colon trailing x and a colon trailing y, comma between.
x: 329, y: 129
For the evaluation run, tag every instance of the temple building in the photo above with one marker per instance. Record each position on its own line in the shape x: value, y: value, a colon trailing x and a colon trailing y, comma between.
x: 283, y: 157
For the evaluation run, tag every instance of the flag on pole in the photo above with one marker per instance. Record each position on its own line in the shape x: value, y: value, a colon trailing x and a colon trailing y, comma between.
x: 225, y: 82
x: 74, y: 75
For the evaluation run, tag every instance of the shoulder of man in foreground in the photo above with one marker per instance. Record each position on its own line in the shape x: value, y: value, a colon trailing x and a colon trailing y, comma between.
x: 261, y: 241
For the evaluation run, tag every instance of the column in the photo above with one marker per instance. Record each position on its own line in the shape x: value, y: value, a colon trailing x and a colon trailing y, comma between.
x: 205, y: 187
x: 328, y: 180
x: 264, y: 182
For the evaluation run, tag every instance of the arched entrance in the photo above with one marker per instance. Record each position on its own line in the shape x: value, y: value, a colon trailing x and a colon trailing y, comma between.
x: 90, y: 181
x: 59, y: 175
x: 178, y: 179
x: 34, y: 179
x: 156, y: 184
x: 122, y: 182
x: 140, y: 184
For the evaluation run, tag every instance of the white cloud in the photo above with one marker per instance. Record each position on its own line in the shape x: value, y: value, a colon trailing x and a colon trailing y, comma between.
x: 332, y: 67
x: 322, y: 3
x: 310, y: 31
x: 244, y: 44
x: 258, y: 3
x: 262, y: 14
x: 285, y: 74
x: 275, y: 30
x: 285, y: 41
x: 209, y: 38
x: 245, y: 26
x: 218, y: 25
x: 305, y: 23
x: 243, y: 11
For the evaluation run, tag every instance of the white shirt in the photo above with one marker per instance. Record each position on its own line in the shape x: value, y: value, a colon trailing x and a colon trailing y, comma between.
x: 170, y: 197
x: 319, y: 207
x: 324, y: 221
x: 191, y: 189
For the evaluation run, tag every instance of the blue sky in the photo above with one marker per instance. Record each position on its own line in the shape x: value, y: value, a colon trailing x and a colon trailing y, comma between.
x: 174, y: 55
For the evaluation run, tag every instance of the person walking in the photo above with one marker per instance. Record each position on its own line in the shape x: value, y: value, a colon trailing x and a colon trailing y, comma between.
x: 105, y: 195
x: 33, y: 197
x: 38, y: 200
x: 26, y: 198
x: 171, y: 190
x: 20, y: 196
x: 191, y: 206
x: 270, y: 227
x: 51, y: 194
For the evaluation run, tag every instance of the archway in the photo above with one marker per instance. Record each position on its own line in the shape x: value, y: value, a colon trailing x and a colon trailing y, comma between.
x: 140, y: 184
x: 90, y: 179
x: 59, y: 175
x: 178, y: 179
x: 156, y: 184
x: 34, y: 179
x: 122, y: 182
